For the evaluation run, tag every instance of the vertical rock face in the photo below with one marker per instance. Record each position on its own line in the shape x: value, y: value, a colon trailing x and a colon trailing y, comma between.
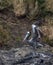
x: 19, y: 7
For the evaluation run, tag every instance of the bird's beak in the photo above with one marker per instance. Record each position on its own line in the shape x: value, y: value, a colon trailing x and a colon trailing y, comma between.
x: 26, y: 36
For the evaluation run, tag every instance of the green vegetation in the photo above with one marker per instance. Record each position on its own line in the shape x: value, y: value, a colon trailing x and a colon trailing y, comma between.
x: 4, y: 3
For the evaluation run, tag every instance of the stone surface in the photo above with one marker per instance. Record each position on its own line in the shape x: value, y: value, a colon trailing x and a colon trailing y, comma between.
x: 25, y: 56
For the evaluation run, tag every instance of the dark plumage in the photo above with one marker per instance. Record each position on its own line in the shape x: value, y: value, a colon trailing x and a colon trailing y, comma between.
x: 34, y: 41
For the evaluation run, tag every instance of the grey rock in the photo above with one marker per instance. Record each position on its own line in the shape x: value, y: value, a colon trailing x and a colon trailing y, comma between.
x: 24, y: 56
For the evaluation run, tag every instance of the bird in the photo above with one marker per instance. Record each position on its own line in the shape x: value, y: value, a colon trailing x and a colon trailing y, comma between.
x: 34, y: 40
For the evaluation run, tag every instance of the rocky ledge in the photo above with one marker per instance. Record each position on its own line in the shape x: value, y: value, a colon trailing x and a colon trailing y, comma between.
x: 27, y: 56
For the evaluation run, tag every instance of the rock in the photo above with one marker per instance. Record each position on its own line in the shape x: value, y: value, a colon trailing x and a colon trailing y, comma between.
x: 25, y: 56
